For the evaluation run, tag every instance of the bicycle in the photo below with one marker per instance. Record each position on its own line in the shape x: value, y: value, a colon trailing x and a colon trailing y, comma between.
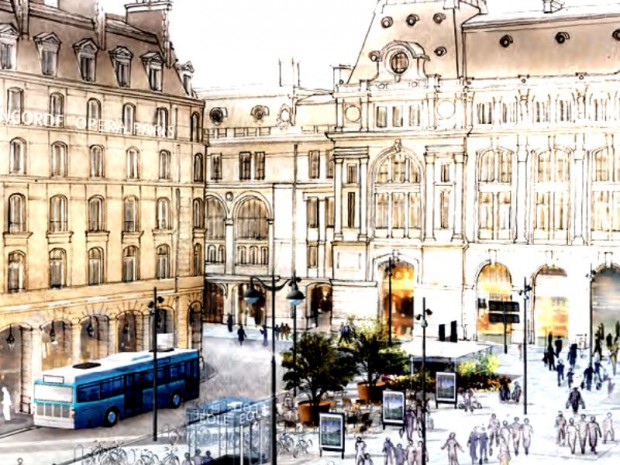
x: 170, y: 458
x: 147, y: 458
x: 302, y: 446
x: 286, y: 443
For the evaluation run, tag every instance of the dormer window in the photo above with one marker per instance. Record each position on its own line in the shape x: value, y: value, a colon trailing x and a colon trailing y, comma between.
x: 8, y: 44
x: 86, y: 52
x: 48, y: 45
x: 121, y: 60
x: 186, y: 71
x: 153, y: 64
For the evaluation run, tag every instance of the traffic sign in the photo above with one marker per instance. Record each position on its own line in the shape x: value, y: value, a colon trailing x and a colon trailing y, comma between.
x: 503, y: 306
x: 499, y: 318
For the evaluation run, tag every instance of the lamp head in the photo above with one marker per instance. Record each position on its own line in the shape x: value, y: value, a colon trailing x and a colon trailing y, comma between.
x: 90, y: 329
x: 295, y: 297
x: 10, y: 340
x: 251, y: 296
x: 53, y: 335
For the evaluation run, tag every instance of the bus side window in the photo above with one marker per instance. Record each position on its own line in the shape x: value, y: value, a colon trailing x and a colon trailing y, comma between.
x: 162, y: 375
x: 147, y: 379
x: 174, y: 372
x: 112, y: 387
x: 88, y: 392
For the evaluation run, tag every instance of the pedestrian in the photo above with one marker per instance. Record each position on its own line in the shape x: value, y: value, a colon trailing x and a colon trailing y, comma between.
x: 278, y: 330
x: 187, y: 460
x: 453, y: 446
x: 560, y: 425
x: 516, y: 392
x: 575, y: 400
x: 388, y: 451
x: 560, y: 371
x: 263, y: 331
x: 472, y: 442
x: 208, y: 459
x: 551, y: 358
x: 409, y: 424
x: 421, y: 454
x: 410, y: 454
x: 483, y: 441
x: 520, y: 345
x: 286, y: 331
x: 241, y: 335
x: 597, y: 372
x: 545, y: 358
x: 526, y: 433
x: 558, y: 346
x: 505, y: 432
x: 549, y: 339
x: 504, y: 452
x: 571, y: 435
x: 515, y: 427
x: 229, y: 322
x: 594, y: 432
x: 598, y: 349
x: 582, y: 429
x: 504, y: 390
x: 572, y: 355
x: 494, y: 426
x: 342, y: 332
x: 468, y: 397
x: 367, y: 459
x: 197, y: 459
x: 569, y: 377
x: 609, y: 340
x: 6, y: 404
x: 608, y: 429
x: 399, y: 454
x: 360, y: 451
x: 588, y: 374
x: 613, y: 357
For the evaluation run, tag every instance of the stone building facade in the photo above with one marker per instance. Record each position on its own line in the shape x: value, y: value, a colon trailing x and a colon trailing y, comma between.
x: 101, y: 182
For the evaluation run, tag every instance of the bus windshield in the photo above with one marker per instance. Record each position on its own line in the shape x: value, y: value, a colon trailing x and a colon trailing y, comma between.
x: 53, y: 393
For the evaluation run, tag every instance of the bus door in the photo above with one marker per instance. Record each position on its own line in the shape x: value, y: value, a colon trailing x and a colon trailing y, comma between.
x: 133, y: 394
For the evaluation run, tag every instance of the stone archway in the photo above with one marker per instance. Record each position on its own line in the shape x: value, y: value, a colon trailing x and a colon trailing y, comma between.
x: 56, y: 345
x: 606, y: 303
x: 494, y: 283
x: 94, y: 336
x: 319, y: 307
x: 127, y: 332
x: 246, y: 313
x: 214, y: 308
x: 16, y: 366
x: 403, y: 284
x: 550, y: 309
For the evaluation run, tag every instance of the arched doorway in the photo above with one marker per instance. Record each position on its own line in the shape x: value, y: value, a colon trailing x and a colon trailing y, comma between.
x: 127, y: 332
x: 319, y: 308
x: 15, y: 369
x: 606, y: 302
x: 246, y: 313
x: 494, y: 283
x: 55, y: 345
x: 550, y: 312
x: 402, y: 299
x: 93, y: 338
x: 214, y: 308
x: 195, y: 325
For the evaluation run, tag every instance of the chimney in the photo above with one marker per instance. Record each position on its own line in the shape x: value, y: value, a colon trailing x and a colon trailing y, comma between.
x: 153, y: 16
x: 21, y: 9
x: 80, y: 7
x: 551, y: 6
x: 100, y: 25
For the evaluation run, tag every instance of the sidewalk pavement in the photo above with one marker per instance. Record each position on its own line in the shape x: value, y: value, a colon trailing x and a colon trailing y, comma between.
x: 19, y: 422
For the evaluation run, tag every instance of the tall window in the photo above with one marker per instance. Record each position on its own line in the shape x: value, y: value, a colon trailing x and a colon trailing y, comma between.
x: 564, y: 110
x: 58, y: 217
x: 17, y: 214
x: 86, y: 52
x: 17, y: 157
x: 14, y: 105
x: 541, y: 111
x: 59, y: 162
x: 165, y: 164
x: 153, y: 63
x: 351, y: 174
x: 484, y: 110
x: 495, y: 195
x: 397, y: 116
x: 129, y: 118
x: 96, y: 161
x: 130, y: 215
x: 351, y: 210
x: 198, y: 168
x: 313, y: 256
x: 58, y: 272
x: 48, y: 45
x: 551, y: 194
x: 194, y: 127
x: 17, y: 272
x: 313, y: 212
x: 314, y: 157
x: 95, y: 266
x: 329, y: 162
x: 93, y: 114
x: 163, y: 262
x: 57, y: 109
x: 444, y: 205
x: 197, y: 261
x: 252, y: 230
x: 382, y: 116
x: 121, y: 60
x: 605, y: 203
x: 161, y: 118
x: 329, y: 212
x: 163, y: 214
x: 245, y: 166
x: 8, y: 44
x: 133, y: 164
x: 198, y: 214
x: 216, y: 166
x: 130, y: 264
x: 95, y: 214
x: 259, y: 166
x: 215, y: 219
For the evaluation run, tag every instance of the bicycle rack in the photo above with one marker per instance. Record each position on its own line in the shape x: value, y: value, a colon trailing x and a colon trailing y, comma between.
x: 75, y: 449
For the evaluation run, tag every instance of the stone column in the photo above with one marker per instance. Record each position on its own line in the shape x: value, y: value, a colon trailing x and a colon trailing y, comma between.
x: 322, y: 237
x: 521, y: 200
x: 76, y: 342
x: 429, y: 219
x: 338, y: 200
x: 230, y: 247
x: 577, y: 181
x: 363, y: 198
x: 459, y: 187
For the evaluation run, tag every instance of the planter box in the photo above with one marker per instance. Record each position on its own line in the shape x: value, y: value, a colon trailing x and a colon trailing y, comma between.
x: 308, y: 414
x: 367, y: 395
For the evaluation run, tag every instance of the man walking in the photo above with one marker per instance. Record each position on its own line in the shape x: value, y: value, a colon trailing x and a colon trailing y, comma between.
x: 560, y: 424
x: 583, y: 429
x: 594, y: 432
x: 571, y: 435
x: 588, y: 374
x: 388, y: 452
x: 608, y: 428
x: 560, y: 370
x: 575, y: 401
x: 526, y: 432
x: 516, y: 435
x: 558, y: 346
x: 494, y: 426
x: 472, y: 442
x: 550, y: 358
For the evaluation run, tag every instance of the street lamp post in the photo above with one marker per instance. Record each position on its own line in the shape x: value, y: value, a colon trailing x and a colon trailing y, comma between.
x: 295, y: 297
x: 392, y: 259
x: 424, y: 322
x: 591, y: 276
x: 525, y: 293
x: 155, y: 312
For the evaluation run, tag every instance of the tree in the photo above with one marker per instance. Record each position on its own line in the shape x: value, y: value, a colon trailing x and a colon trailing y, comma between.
x: 320, y: 367
x: 373, y: 354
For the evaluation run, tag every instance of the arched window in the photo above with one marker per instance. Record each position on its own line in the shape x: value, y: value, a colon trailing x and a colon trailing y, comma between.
x: 131, y: 216
x: 195, y: 127
x: 161, y: 118
x: 197, y: 260
x: 198, y: 168
x: 17, y: 214
x: 165, y: 165
x: 96, y: 161
x: 221, y: 255
x: 252, y: 220
x: 57, y: 109
x: 16, y: 272
x: 17, y: 157
x: 58, y: 216
x: 198, y: 213
x: 605, y: 195
x: 93, y: 114
x: 564, y: 110
x: 95, y: 266
x: 129, y: 118
x: 163, y: 262
x: 130, y: 264
x: 95, y: 214
x: 133, y: 164
x: 58, y: 271
x: 163, y: 214
x: 59, y: 163
x: 216, y: 217
x: 495, y: 195
x: 487, y: 167
x: 211, y: 254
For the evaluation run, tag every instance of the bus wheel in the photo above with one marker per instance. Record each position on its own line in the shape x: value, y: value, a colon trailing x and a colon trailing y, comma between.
x: 175, y: 400
x: 111, y: 417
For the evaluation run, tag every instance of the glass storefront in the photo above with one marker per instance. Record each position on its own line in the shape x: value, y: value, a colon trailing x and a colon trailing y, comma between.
x: 494, y: 283
x: 550, y: 305
x: 402, y: 300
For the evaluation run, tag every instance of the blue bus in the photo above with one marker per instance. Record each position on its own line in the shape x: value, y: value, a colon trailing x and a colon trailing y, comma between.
x: 103, y: 391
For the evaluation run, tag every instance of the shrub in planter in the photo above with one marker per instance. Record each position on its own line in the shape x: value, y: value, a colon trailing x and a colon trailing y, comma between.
x: 412, y: 382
